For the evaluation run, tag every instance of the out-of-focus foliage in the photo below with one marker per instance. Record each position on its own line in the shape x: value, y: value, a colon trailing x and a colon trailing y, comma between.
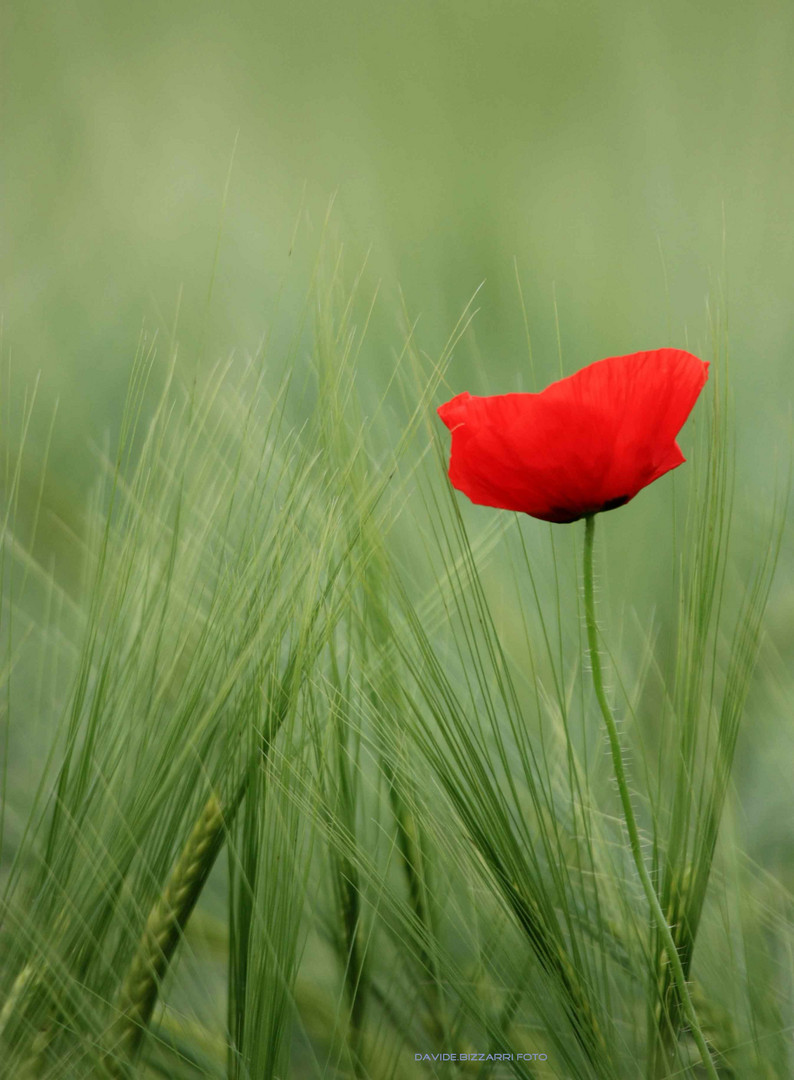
x: 581, y: 138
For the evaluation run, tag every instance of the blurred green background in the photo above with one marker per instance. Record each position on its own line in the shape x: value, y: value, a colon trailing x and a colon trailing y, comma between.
x: 635, y: 159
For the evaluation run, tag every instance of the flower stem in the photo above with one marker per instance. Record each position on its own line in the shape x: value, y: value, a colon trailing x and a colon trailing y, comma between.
x: 628, y: 812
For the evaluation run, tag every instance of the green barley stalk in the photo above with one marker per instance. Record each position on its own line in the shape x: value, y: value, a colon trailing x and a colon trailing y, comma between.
x: 163, y: 931
x: 171, y: 912
x: 169, y: 916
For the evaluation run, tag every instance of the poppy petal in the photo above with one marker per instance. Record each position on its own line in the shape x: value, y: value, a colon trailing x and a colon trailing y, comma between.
x: 586, y: 443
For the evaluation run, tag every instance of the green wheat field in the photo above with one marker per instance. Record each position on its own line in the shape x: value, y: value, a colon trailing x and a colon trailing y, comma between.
x: 303, y: 769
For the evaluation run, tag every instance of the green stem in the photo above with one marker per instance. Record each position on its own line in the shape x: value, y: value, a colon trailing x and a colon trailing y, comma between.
x: 628, y: 812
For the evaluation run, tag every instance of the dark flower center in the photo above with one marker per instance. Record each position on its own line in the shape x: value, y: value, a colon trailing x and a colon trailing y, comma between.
x: 564, y: 515
x: 613, y: 504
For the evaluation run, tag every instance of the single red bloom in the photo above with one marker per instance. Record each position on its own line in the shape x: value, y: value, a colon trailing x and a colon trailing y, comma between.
x: 587, y: 443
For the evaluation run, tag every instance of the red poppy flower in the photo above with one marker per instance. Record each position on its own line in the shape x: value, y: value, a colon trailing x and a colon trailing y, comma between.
x: 587, y: 443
